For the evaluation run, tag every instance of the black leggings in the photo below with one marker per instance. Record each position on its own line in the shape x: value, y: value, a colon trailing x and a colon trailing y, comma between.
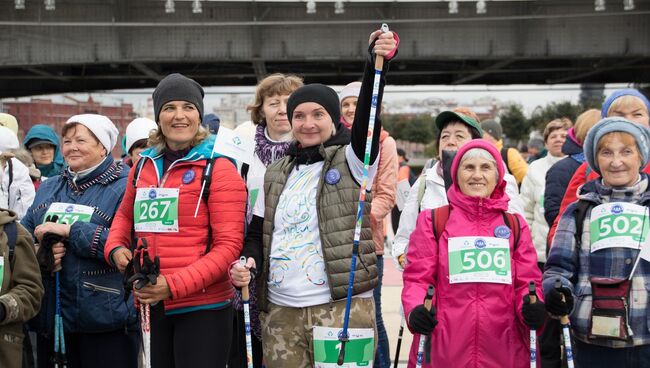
x: 97, y: 350
x: 194, y: 339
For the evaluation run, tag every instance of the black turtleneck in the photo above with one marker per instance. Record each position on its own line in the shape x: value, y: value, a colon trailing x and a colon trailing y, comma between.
x: 169, y: 156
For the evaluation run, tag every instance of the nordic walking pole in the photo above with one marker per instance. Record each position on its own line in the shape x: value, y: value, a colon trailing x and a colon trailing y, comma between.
x: 399, y: 336
x: 424, y: 340
x: 533, y: 333
x: 247, y: 319
x: 379, y: 65
x: 564, y: 320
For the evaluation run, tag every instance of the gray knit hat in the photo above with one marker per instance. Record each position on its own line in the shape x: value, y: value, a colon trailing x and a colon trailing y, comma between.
x: 177, y: 87
x: 492, y: 128
x: 640, y: 133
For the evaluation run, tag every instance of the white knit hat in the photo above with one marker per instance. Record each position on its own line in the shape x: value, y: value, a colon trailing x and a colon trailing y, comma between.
x: 9, y: 121
x: 101, y: 126
x: 351, y: 90
x: 138, y: 129
x: 8, y: 139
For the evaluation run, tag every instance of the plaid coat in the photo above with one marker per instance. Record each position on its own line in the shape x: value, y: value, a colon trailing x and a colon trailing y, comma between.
x: 574, y: 264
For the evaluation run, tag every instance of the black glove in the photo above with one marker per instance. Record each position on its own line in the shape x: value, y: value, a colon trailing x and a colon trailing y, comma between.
x: 534, y: 314
x: 423, y: 321
x: 554, y: 304
x: 45, y: 256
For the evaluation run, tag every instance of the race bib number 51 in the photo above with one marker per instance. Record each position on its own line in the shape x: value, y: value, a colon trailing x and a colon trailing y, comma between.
x: 69, y: 213
x: 156, y: 210
x: 620, y: 225
x: 479, y: 259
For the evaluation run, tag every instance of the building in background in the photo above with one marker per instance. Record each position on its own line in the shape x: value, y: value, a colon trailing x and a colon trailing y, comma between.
x: 56, y: 112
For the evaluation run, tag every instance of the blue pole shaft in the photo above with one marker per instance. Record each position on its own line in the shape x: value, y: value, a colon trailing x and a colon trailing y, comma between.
x: 379, y: 65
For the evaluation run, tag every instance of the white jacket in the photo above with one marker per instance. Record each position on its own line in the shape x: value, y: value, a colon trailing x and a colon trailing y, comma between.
x: 435, y: 196
x: 532, y: 194
x: 22, y: 190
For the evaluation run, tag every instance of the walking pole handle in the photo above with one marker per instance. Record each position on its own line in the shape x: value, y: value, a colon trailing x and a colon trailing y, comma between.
x: 244, y: 289
x: 532, y: 292
x: 558, y: 285
x: 379, y: 60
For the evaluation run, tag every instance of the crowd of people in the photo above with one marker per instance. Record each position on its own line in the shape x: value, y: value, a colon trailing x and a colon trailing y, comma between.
x: 188, y: 253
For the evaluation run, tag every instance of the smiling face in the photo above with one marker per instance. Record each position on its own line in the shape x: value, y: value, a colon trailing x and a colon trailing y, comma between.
x: 179, y: 122
x: 43, y: 154
x: 348, y: 108
x: 274, y: 111
x: 312, y: 125
x: 477, y: 176
x: 630, y: 108
x: 80, y: 149
x: 619, y: 159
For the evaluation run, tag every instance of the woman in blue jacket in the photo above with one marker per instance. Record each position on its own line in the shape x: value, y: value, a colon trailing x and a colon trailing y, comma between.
x: 43, y: 143
x: 78, y: 282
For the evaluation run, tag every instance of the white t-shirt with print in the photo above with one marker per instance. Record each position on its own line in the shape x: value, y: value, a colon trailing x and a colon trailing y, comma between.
x: 297, y: 275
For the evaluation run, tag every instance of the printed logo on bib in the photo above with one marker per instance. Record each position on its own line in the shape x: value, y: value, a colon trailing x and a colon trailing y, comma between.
x: 479, y: 259
x: 618, y: 225
x: 68, y: 213
x: 156, y: 210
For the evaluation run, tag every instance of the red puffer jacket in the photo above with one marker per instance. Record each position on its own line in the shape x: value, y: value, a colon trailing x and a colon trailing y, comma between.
x: 194, y: 277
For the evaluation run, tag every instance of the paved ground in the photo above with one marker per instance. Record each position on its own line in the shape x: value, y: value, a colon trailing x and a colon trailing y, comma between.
x: 390, y: 302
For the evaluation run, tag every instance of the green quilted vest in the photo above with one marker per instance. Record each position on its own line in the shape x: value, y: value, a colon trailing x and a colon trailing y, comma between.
x: 337, y: 207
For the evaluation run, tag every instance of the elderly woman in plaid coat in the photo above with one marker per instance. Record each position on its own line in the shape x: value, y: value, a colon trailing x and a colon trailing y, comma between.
x: 597, y: 253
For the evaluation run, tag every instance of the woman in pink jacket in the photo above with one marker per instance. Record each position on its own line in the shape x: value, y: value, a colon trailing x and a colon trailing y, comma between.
x: 481, y: 313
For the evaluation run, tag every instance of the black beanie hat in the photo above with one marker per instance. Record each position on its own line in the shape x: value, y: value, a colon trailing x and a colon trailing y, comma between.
x: 318, y: 93
x: 177, y: 87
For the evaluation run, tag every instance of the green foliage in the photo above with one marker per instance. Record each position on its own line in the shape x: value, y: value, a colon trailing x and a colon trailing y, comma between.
x: 555, y: 110
x: 412, y: 128
x: 515, y: 125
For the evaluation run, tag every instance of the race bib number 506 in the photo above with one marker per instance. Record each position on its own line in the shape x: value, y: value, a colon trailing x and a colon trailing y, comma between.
x: 479, y: 259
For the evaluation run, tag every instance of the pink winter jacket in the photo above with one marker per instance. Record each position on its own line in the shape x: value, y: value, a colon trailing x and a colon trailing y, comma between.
x: 479, y: 324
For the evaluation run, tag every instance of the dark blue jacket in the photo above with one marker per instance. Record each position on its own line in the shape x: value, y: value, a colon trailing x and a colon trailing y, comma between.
x: 92, y: 295
x: 559, y: 176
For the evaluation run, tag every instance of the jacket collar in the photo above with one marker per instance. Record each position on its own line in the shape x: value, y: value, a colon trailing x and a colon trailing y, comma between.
x: 107, y: 172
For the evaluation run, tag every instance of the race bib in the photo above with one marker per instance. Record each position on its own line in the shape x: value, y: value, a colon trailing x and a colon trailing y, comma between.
x: 156, y: 210
x: 359, y: 350
x: 69, y: 213
x: 479, y: 259
x: 620, y: 225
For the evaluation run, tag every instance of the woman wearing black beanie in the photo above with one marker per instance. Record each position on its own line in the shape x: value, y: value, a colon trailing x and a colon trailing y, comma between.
x: 311, y: 202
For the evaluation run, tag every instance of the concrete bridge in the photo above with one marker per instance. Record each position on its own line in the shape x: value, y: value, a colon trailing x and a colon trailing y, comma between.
x: 88, y: 45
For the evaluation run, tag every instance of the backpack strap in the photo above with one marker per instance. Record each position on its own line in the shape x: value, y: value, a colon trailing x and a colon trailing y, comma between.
x: 512, y: 221
x: 10, y: 171
x: 580, y: 214
x: 11, y: 230
x: 138, y: 168
x: 504, y: 157
x: 439, y: 217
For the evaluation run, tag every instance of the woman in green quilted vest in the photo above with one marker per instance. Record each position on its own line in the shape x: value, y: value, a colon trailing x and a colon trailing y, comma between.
x: 311, y: 199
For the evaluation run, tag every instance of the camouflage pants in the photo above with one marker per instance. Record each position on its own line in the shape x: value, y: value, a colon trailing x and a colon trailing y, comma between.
x: 287, y: 333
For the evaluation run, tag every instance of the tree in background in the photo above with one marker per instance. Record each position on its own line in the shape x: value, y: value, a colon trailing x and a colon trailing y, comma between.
x: 412, y: 128
x: 555, y: 110
x: 515, y: 125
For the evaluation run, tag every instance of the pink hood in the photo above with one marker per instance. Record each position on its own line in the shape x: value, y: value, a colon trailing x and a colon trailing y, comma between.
x: 498, y: 201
